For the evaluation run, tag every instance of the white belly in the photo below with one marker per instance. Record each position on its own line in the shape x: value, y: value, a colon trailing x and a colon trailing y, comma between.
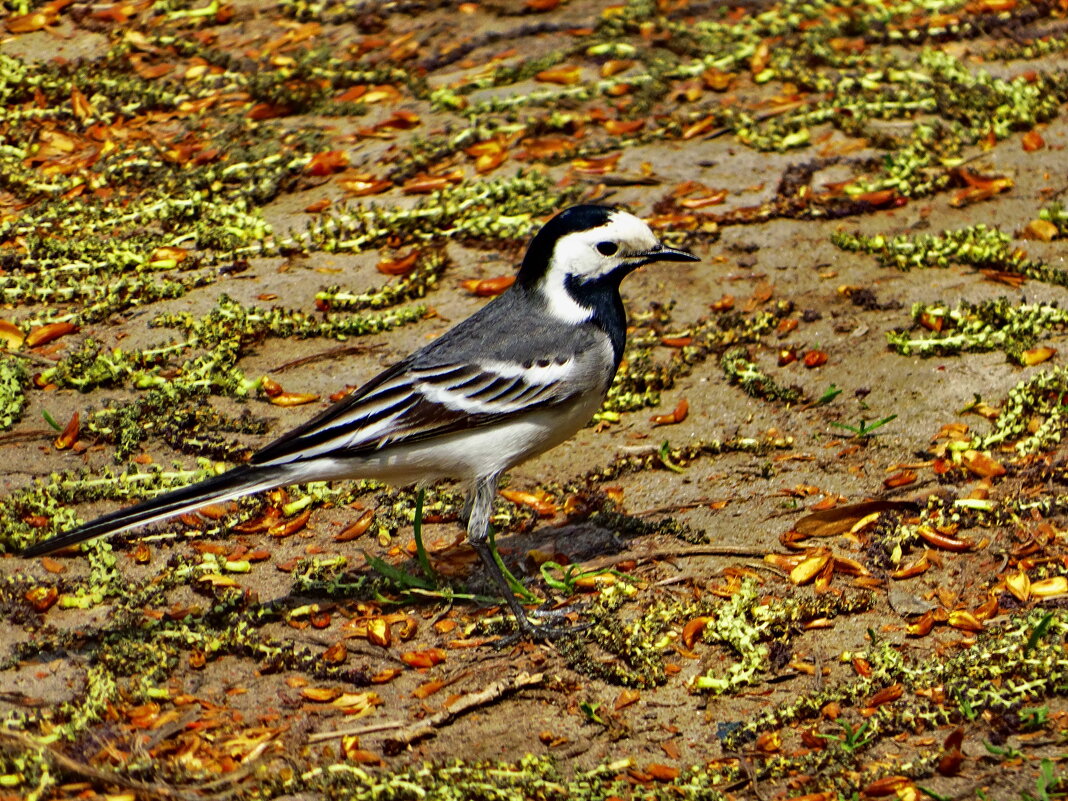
x: 464, y: 456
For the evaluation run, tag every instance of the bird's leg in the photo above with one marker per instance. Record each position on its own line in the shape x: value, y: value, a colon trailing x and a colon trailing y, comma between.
x: 480, y: 503
x: 417, y: 533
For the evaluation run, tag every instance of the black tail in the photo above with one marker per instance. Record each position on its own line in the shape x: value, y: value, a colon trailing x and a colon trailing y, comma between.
x: 239, y: 481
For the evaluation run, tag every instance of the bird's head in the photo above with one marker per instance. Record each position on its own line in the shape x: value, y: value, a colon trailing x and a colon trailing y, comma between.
x: 585, y: 251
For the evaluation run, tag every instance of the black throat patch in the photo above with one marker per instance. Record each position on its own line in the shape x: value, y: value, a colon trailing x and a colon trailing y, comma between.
x: 602, y: 296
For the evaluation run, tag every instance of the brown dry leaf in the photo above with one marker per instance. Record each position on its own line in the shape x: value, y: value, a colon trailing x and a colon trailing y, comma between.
x: 914, y: 568
x: 327, y: 162
x: 399, y: 120
x: 841, y: 519
x: 979, y: 187
x: 933, y: 322
x: 357, y: 703
x: 922, y: 626
x: 540, y: 503
x: 662, y: 773
x: 940, y: 539
x: 80, y: 104
x: 760, y: 58
x: 361, y: 186
x: 268, y: 111
x: 886, y: 696
x: 951, y: 762
x: 815, y: 358
x: 217, y: 580
x: 336, y: 654
x: 1040, y: 230
x: 715, y: 198
x: 69, y: 435
x: 965, y: 621
x: 1019, y: 584
x: 11, y: 335
x: 850, y: 567
x: 982, y: 465
x: 784, y: 562
x: 786, y: 326
x: 425, y: 184
x: 810, y: 567
x: 615, y: 66
x: 896, y: 786
x: 357, y: 529
x: 378, y: 632
x: 488, y: 155
x: 41, y: 598
x: 677, y: 415
x: 34, y: 21
x: 320, y: 695
x: 1037, y: 355
x: 900, y: 479
x: 623, y: 127
x: 402, y: 265
x: 545, y: 147
x: 1050, y: 587
x: 984, y: 409
x: 141, y: 554
x: 427, y: 689
x: 52, y: 566
x: 386, y: 676
x: 167, y: 255
x: 43, y: 334
x: 769, y: 742
x: 826, y: 503
x: 319, y: 205
x: 423, y: 659
x: 563, y: 76
x: 289, y: 527
x: 350, y: 746
x: 294, y: 398
x: 697, y: 128
x: 488, y: 287
x: 1015, y: 280
x: 626, y: 697
x: 599, y: 165
x: 381, y: 93
x: 676, y: 342
x: 1032, y: 141
x: 693, y: 629
x: 717, y: 80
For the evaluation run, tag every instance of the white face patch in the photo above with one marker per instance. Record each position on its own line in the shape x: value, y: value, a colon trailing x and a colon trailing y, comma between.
x: 577, y: 255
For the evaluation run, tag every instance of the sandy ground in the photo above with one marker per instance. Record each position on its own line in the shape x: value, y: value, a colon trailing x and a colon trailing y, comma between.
x: 739, y: 500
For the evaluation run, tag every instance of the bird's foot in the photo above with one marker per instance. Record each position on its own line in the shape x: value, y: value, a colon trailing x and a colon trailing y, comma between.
x: 526, y: 630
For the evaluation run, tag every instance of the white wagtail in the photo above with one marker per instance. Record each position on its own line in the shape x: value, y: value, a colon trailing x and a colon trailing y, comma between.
x: 516, y: 378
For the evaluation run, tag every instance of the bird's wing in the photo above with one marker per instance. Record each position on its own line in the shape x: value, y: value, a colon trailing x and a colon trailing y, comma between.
x: 414, y: 401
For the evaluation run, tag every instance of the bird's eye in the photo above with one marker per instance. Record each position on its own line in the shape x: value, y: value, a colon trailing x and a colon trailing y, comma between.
x: 607, y: 248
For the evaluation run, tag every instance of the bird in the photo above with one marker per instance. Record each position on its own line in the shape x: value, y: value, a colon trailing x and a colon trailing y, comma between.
x: 518, y: 377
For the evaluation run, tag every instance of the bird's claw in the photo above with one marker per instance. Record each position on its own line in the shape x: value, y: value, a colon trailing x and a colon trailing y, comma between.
x: 532, y: 631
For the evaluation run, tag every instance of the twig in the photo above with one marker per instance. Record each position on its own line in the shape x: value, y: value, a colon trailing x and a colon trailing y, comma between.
x: 26, y: 436
x: 32, y: 357
x: 672, y: 553
x: 750, y: 774
x: 680, y: 507
x: 344, y: 350
x: 385, y: 725
x: 69, y: 765
x: 494, y: 692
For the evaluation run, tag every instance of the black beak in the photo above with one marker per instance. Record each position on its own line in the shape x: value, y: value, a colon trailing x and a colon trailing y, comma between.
x: 662, y: 254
